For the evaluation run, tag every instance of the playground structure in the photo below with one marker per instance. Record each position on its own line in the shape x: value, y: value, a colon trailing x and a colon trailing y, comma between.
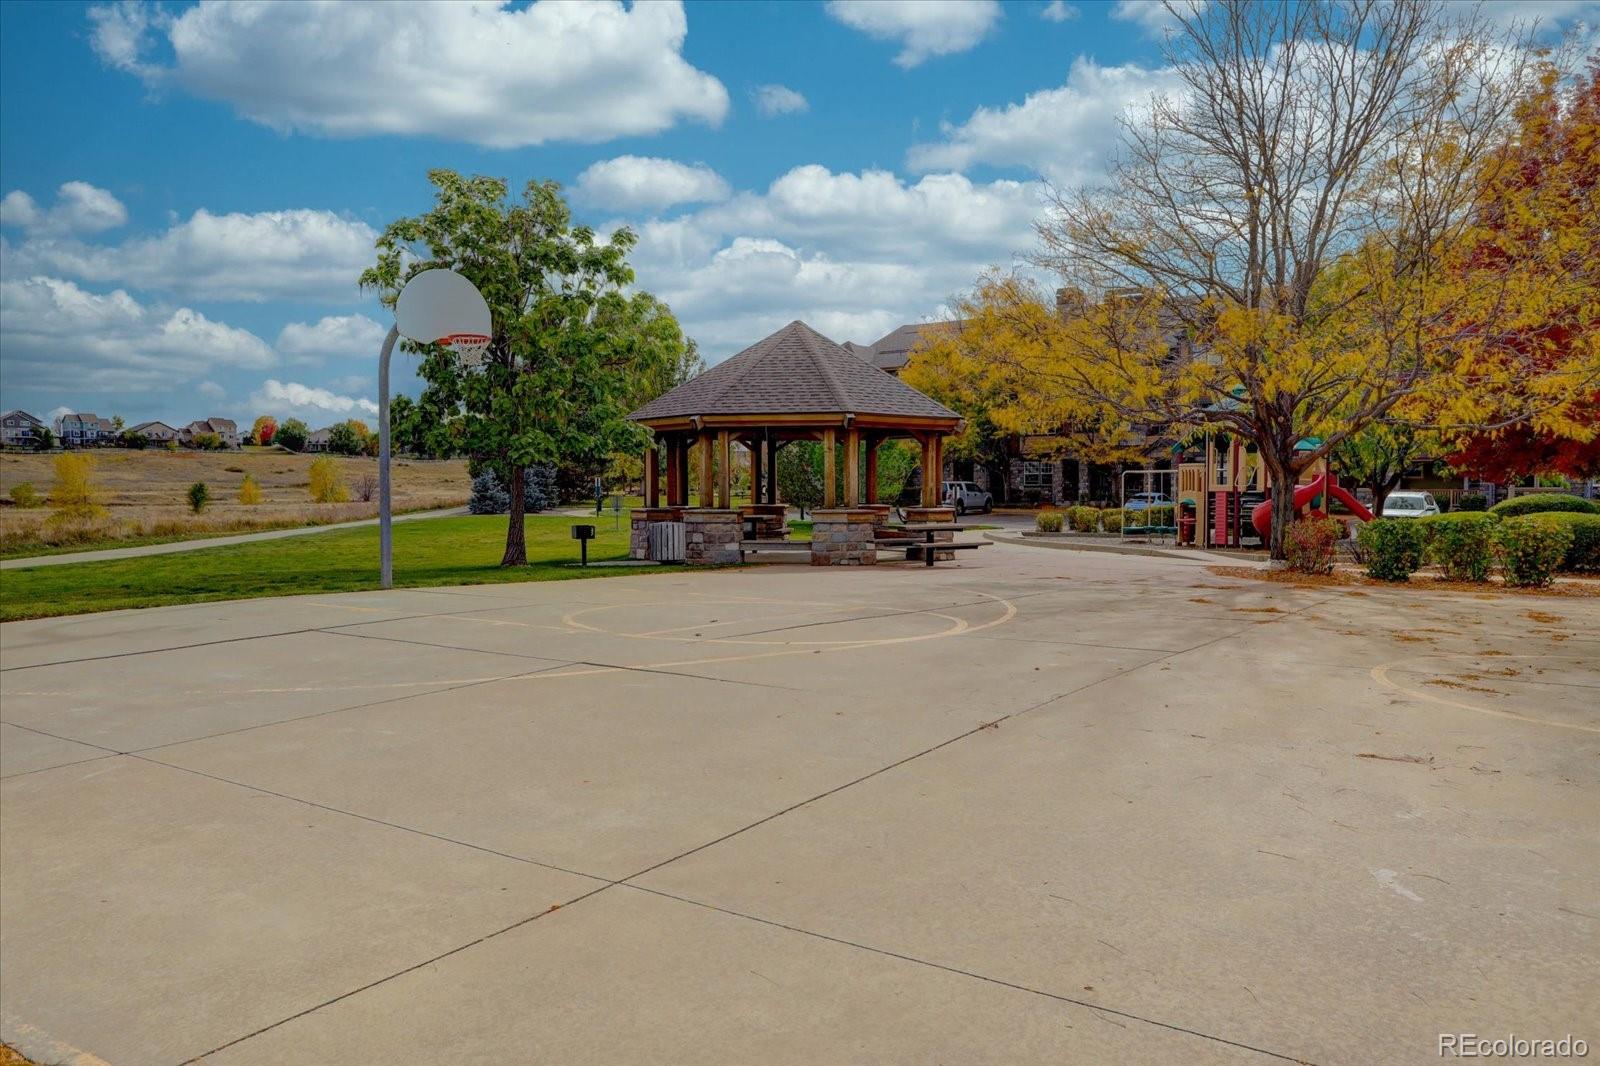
x: 1225, y: 493
x: 1143, y: 519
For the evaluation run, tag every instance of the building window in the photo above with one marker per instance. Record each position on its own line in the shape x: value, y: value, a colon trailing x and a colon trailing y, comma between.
x: 1038, y: 477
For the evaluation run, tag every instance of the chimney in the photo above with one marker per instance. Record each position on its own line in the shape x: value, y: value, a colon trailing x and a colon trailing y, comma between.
x: 1070, y: 300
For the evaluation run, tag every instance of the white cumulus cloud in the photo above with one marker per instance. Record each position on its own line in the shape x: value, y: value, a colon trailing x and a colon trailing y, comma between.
x: 853, y: 254
x: 1058, y: 11
x: 480, y: 71
x: 1061, y: 133
x: 294, y: 254
x: 79, y: 208
x: 922, y: 28
x: 56, y: 336
x: 1152, y: 16
x: 632, y: 182
x: 773, y: 100
x: 290, y: 399
x: 344, y: 336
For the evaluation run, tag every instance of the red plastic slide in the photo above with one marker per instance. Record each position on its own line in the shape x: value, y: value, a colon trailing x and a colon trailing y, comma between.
x: 1261, y: 517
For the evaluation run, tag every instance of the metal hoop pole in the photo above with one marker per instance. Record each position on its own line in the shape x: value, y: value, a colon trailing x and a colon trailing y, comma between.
x: 385, y: 530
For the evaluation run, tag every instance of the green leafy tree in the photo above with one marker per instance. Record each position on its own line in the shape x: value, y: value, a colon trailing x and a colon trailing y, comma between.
x: 199, y: 496
x: 800, y: 475
x: 346, y: 438
x: 43, y: 439
x: 292, y: 435
x: 1378, y: 457
x: 568, y: 346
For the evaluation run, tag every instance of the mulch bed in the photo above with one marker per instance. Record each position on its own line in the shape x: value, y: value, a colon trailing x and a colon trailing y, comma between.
x: 1494, y: 588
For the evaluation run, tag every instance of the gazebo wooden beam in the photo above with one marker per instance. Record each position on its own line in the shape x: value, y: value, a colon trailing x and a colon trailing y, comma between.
x: 724, y: 470
x: 872, y: 468
x: 852, y: 466
x: 830, y: 474
x: 707, y: 470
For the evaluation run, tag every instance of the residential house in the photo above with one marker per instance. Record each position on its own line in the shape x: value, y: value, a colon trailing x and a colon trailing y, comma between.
x: 318, y: 440
x: 225, y: 428
x: 84, y: 430
x: 18, y: 429
x: 155, y: 432
x: 1038, y: 468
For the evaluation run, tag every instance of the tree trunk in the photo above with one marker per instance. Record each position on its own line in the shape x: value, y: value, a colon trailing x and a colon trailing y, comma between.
x: 1281, y: 468
x: 516, y: 536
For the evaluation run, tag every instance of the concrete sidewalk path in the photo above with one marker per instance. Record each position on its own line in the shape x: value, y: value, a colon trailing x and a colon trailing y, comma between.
x: 30, y: 562
x: 1029, y: 807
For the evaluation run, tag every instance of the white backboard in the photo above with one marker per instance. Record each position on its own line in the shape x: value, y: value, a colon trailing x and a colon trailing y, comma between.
x: 440, y: 303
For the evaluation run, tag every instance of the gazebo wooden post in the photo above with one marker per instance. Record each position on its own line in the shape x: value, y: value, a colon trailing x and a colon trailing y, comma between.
x: 872, y: 468
x: 852, y: 466
x: 707, y: 469
x: 830, y: 496
x: 672, y: 471
x: 652, y: 476
x: 683, y: 472
x: 930, y: 488
x: 754, y: 447
x: 724, y: 470
x: 772, y: 470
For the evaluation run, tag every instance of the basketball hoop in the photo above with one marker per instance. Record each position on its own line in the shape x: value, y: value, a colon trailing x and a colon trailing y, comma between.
x: 442, y: 307
x: 471, y: 349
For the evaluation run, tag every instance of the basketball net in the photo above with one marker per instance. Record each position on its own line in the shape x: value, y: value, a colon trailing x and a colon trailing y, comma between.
x: 470, y: 348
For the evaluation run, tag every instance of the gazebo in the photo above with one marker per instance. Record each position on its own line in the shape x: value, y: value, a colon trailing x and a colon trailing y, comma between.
x: 794, y: 385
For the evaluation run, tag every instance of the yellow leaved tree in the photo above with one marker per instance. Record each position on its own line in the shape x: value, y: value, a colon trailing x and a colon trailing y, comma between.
x: 987, y: 366
x: 75, y: 499
x: 1278, y: 249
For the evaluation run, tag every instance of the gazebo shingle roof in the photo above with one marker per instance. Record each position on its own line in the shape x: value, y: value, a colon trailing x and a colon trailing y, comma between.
x: 794, y: 371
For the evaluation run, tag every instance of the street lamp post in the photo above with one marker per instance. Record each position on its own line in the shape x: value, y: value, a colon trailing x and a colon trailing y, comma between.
x: 435, y: 307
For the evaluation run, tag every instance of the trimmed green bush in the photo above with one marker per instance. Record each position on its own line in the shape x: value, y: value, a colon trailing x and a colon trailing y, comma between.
x: 1159, y: 515
x: 1472, y: 501
x: 1391, y: 547
x: 1530, y: 547
x: 1462, y: 544
x: 1049, y: 521
x: 1543, y: 503
x: 1111, y: 519
x: 1584, y: 554
x: 1084, y: 519
x: 1309, y: 544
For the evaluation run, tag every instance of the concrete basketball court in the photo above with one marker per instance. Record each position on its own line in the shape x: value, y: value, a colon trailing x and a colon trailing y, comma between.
x: 1043, y: 806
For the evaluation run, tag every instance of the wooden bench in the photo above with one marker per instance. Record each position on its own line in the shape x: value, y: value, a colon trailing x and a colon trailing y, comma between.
x: 758, y: 546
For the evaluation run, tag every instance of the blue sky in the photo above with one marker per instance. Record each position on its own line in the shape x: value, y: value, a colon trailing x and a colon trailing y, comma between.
x: 190, y: 190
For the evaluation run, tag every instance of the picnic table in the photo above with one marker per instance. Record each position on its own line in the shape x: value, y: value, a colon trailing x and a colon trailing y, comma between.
x: 927, y: 546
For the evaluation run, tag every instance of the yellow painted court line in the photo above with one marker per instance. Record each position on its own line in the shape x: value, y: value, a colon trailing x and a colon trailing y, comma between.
x: 1380, y: 674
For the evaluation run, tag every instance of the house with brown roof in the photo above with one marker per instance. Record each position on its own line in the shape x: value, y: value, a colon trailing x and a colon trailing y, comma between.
x: 225, y: 429
x: 19, y: 429
x: 155, y: 432
x: 84, y: 429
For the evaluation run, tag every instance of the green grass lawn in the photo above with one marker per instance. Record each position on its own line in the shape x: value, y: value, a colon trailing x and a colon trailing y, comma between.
x: 430, y: 551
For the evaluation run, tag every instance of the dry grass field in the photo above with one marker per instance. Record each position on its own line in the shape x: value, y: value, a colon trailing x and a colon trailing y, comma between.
x: 145, y: 494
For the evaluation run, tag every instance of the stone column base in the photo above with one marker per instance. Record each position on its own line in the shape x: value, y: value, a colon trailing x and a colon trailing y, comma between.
x: 842, y: 537
x: 711, y: 536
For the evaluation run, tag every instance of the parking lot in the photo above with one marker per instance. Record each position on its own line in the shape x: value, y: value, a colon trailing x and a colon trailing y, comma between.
x: 1041, y: 806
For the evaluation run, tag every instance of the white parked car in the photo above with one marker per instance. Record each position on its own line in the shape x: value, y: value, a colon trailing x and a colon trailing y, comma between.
x: 965, y: 496
x: 1409, y: 505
